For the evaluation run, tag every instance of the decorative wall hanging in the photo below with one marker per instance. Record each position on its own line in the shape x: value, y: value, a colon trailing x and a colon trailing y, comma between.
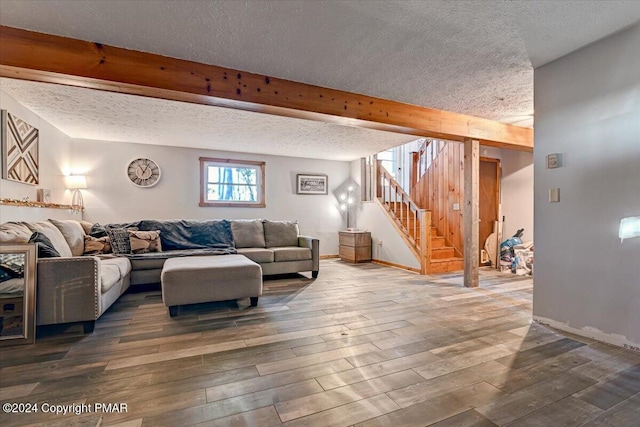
x: 312, y: 184
x: 19, y: 150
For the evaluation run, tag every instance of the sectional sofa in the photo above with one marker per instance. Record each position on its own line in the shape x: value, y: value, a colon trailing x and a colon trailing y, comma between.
x: 77, y: 287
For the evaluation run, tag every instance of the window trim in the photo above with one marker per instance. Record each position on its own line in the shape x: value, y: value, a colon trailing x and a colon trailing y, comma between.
x: 204, y: 161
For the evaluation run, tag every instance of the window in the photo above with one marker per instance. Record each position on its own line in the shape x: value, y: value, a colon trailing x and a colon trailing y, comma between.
x: 225, y: 182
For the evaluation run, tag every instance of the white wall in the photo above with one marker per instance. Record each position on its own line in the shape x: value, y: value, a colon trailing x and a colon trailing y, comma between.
x: 517, y: 193
x: 370, y: 217
x: 111, y: 197
x: 54, y: 156
x: 588, y: 109
x: 386, y: 243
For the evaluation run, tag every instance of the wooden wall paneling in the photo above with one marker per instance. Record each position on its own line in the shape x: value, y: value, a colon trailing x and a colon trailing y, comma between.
x: 448, y: 196
x: 460, y: 196
x: 440, y: 187
x: 454, y: 231
x: 444, y: 188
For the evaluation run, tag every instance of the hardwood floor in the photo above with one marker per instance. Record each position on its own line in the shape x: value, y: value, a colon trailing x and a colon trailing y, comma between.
x: 362, y: 345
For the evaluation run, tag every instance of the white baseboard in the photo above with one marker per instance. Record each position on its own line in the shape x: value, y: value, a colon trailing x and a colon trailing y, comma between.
x: 589, y: 332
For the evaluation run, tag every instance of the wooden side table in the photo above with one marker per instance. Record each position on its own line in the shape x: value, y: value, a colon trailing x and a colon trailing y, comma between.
x: 355, y: 246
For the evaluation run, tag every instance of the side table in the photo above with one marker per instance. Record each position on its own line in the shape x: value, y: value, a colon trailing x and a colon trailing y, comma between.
x: 355, y: 246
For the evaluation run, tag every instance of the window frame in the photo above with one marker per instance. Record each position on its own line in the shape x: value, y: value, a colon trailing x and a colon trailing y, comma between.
x: 205, y: 162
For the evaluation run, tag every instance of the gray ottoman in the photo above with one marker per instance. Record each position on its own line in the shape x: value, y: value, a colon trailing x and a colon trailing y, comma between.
x: 196, y: 279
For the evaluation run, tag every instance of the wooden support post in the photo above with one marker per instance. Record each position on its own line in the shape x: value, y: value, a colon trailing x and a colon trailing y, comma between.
x: 471, y: 212
x: 413, y: 173
x: 379, y: 185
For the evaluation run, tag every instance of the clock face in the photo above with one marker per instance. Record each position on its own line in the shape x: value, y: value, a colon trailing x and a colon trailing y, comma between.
x: 143, y: 172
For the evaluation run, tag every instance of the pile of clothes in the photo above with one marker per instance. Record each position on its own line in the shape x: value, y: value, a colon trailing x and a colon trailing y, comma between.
x: 516, y: 256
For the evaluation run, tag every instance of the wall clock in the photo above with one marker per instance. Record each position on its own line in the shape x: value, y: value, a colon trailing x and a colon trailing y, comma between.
x: 143, y: 172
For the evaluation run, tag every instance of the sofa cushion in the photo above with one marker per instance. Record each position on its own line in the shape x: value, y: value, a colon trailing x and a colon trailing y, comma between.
x: 259, y: 255
x: 119, y: 239
x: 44, y: 245
x: 52, y: 232
x: 151, y: 263
x: 291, y: 253
x: 144, y: 241
x: 15, y: 232
x: 280, y: 233
x: 96, y: 245
x: 123, y: 264
x: 73, y: 234
x: 109, y: 276
x: 248, y: 233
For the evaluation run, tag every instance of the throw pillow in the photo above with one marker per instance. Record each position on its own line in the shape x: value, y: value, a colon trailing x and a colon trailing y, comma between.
x: 97, y: 230
x: 119, y: 239
x: 55, y: 236
x: 96, y: 245
x: 14, y: 232
x: 45, y: 247
x: 73, y: 234
x: 86, y: 226
x: 144, y: 241
x: 280, y: 233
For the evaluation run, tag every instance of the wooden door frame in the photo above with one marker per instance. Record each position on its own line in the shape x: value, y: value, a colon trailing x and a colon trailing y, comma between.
x: 498, y: 230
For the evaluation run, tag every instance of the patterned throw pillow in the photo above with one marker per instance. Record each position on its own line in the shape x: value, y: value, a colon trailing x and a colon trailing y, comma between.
x: 119, y: 239
x: 45, y: 247
x: 96, y: 245
x: 145, y: 241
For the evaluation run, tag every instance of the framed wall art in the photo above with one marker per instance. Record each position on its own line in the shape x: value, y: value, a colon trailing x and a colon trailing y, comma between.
x: 312, y: 184
x: 19, y: 150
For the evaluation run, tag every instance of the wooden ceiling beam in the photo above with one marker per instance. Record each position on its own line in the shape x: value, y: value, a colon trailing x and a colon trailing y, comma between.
x: 42, y: 57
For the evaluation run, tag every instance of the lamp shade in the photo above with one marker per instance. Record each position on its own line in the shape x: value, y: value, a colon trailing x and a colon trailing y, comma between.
x: 75, y: 181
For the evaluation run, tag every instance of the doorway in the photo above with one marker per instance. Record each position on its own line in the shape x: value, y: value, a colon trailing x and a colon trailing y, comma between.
x: 489, y: 198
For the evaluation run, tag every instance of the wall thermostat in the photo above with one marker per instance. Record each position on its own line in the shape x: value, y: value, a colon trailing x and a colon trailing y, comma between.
x: 554, y: 160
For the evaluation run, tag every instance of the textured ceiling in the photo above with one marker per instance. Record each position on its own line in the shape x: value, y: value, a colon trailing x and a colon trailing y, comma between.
x: 92, y: 114
x: 471, y: 57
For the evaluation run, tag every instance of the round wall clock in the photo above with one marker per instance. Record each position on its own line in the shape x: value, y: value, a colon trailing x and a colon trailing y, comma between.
x: 143, y: 172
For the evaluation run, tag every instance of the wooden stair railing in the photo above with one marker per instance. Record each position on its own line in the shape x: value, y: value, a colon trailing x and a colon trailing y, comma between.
x: 413, y: 223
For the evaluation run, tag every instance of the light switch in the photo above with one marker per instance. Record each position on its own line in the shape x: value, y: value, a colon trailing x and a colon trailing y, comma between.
x: 554, y: 195
x: 456, y: 206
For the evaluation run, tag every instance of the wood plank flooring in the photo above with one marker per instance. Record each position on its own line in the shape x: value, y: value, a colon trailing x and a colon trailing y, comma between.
x: 362, y: 345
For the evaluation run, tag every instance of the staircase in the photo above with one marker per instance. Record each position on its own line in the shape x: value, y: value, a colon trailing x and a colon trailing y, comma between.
x: 443, y: 258
x: 414, y: 225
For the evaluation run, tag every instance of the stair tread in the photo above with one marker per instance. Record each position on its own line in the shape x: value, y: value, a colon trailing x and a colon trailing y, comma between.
x: 447, y: 259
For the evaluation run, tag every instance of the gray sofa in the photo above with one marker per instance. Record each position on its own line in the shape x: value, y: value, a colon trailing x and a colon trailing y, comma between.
x: 275, y: 245
x: 79, y: 288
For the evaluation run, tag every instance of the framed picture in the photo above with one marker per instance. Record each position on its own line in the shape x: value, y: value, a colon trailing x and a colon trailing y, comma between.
x: 312, y: 184
x: 19, y: 150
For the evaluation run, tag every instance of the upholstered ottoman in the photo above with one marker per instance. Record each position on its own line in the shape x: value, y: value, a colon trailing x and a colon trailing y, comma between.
x: 196, y: 279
